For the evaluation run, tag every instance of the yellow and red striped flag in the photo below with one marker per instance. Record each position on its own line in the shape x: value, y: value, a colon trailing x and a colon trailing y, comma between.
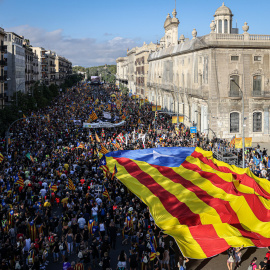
x: 103, y: 150
x: 205, y: 204
x: 53, y: 187
x: 70, y: 184
x: 90, y: 225
x: 1, y: 157
x: 80, y: 145
x: 106, y: 193
x: 93, y: 115
x: 32, y: 230
x: 97, y: 138
x: 115, y: 144
x: 20, y: 181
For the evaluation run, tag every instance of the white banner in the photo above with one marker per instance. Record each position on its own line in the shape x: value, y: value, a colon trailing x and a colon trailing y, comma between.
x: 77, y: 122
x: 107, y: 115
x: 103, y: 125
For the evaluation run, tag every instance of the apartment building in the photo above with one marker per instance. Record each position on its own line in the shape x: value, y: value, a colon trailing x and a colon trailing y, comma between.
x: 46, y: 65
x: 51, y: 67
x: 3, y: 63
x: 132, y: 70
x: 15, y: 69
x: 31, y: 66
x: 141, y: 68
x: 63, y: 68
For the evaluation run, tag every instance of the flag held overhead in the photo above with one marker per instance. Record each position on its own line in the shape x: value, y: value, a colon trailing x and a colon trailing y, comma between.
x: 205, y: 204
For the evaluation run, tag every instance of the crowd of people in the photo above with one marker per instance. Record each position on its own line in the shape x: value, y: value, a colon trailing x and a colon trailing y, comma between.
x: 57, y: 205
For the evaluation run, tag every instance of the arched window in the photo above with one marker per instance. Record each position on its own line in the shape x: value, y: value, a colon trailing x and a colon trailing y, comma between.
x: 257, y: 122
x: 257, y: 85
x: 234, y: 89
x: 225, y: 26
x: 219, y: 26
x: 234, y: 122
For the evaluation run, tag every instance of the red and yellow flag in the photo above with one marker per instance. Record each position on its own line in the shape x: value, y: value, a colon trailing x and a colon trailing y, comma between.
x: 103, y: 150
x: 1, y: 157
x: 70, y: 184
x: 97, y: 138
x: 205, y: 204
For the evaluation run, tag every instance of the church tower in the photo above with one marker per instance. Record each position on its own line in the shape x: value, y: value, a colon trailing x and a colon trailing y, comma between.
x: 223, y: 19
x: 171, y: 30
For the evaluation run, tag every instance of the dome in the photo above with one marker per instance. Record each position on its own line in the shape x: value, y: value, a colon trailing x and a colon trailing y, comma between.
x: 168, y: 20
x: 223, y: 10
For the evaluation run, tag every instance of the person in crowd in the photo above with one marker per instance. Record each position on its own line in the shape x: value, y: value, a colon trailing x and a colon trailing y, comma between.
x: 51, y: 183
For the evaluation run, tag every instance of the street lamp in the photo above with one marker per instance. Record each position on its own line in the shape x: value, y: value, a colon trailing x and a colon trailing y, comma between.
x: 243, y: 121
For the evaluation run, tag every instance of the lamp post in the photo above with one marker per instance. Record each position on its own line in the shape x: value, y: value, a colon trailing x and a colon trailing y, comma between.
x: 156, y: 101
x: 243, y: 122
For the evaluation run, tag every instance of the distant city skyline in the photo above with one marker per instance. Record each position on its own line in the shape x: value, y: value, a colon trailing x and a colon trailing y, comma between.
x: 92, y: 33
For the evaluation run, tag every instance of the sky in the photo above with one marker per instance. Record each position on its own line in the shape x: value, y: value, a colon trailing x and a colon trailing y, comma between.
x: 91, y: 33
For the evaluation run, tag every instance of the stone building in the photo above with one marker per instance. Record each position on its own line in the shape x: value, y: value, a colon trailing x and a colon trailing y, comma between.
x: 3, y: 63
x: 132, y: 70
x: 203, y: 78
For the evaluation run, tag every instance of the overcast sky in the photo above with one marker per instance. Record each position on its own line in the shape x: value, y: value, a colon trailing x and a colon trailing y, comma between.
x: 92, y: 33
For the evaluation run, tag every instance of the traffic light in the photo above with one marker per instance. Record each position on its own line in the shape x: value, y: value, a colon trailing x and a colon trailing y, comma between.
x: 156, y: 114
x: 192, y: 135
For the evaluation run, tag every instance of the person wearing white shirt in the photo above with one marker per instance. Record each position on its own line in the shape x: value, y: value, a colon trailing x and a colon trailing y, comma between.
x: 81, y: 222
x: 95, y: 213
x: 43, y: 192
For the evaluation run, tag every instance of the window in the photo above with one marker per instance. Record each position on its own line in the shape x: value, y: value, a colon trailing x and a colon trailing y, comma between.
x: 234, y: 122
x: 220, y: 26
x: 257, y: 122
x: 257, y: 58
x: 225, y: 26
x: 257, y: 84
x: 234, y: 89
x: 234, y: 58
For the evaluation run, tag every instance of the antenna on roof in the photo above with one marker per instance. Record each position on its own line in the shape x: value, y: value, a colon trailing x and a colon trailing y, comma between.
x: 175, y: 4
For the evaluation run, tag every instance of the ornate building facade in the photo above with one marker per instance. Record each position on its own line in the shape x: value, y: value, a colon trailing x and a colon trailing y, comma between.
x: 203, y: 78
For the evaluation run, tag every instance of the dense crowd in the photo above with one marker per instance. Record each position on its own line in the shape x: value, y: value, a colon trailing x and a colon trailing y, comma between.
x: 57, y: 205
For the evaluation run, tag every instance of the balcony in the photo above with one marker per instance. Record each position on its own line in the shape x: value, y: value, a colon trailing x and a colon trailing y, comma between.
x: 52, y: 65
x: 3, y: 48
x: 261, y: 94
x: 44, y: 63
x: 3, y: 62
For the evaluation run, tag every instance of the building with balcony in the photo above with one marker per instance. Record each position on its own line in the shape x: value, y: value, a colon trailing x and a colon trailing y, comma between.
x: 122, y: 71
x: 51, y: 67
x: 63, y: 68
x: 3, y: 63
x: 15, y: 69
x: 42, y: 67
x: 132, y: 70
x: 31, y: 66
x: 200, y: 78
x: 141, y: 68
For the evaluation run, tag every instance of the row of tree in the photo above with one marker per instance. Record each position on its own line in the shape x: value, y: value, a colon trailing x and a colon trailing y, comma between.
x: 107, y: 72
x: 38, y: 97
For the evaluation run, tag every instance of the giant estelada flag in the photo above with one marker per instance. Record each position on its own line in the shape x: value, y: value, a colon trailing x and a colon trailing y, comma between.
x: 205, y: 204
